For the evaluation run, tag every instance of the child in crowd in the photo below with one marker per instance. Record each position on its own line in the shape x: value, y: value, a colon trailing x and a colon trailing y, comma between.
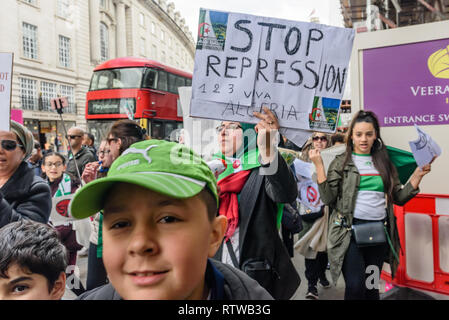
x: 161, y: 228
x: 32, y: 262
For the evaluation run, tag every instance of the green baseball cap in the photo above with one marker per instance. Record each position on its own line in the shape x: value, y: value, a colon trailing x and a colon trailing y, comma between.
x: 165, y: 167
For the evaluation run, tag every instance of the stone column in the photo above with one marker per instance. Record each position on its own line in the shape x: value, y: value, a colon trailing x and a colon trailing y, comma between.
x: 94, y: 21
x: 121, y: 30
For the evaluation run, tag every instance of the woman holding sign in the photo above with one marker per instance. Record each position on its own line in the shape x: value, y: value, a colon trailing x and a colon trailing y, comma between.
x: 363, y: 185
x: 256, y: 180
x: 312, y: 239
x: 22, y: 193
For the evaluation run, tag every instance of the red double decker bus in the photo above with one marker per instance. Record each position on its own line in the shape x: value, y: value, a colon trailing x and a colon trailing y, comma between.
x: 144, y: 88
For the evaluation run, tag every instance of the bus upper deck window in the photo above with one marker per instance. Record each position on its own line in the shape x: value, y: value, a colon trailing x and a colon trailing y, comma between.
x: 162, y: 81
x: 150, y: 79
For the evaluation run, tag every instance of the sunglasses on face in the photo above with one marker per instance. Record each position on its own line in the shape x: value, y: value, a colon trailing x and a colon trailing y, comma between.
x: 322, y: 138
x: 232, y: 126
x: 10, y: 145
x: 72, y: 136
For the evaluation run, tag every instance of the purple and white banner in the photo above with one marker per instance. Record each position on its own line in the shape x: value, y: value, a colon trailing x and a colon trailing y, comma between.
x: 408, y: 84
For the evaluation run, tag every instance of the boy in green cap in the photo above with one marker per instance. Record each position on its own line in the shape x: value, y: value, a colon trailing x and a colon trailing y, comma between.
x: 161, y: 227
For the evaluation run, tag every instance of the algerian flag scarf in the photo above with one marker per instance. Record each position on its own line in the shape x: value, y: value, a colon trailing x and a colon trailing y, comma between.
x: 245, y: 159
x: 64, y: 187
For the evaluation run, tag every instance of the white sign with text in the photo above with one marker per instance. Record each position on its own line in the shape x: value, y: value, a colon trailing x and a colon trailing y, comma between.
x: 6, y: 61
x: 296, y: 69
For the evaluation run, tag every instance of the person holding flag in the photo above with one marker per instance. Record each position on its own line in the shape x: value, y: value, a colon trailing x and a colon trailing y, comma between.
x: 256, y: 181
x: 362, y: 184
x: 62, y: 184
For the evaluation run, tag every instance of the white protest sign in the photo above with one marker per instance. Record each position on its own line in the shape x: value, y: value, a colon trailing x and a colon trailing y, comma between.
x: 303, y: 169
x: 309, y: 195
x: 329, y: 154
x: 424, y: 149
x: 60, y: 210
x: 6, y: 61
x: 198, y: 134
x: 60, y: 215
x: 296, y: 69
x: 297, y: 136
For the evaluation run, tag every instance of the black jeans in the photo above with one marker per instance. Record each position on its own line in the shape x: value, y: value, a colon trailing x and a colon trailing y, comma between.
x: 316, y: 269
x: 356, y: 272
x: 96, y: 273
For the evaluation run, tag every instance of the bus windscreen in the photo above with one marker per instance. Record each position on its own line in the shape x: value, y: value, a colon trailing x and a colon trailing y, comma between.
x: 122, y: 78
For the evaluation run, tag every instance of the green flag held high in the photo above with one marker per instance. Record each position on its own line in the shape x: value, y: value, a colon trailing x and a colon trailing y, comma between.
x: 404, y: 162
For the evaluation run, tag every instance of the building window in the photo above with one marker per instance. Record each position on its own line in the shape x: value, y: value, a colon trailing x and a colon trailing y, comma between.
x: 29, y: 41
x: 163, y: 56
x: 141, y: 19
x: 33, y: 2
x: 153, y: 28
x: 63, y: 8
x: 162, y: 35
x: 170, y: 42
x: 48, y: 91
x: 142, y: 46
x: 103, y: 4
x: 69, y: 92
x: 64, y: 51
x: 104, y: 42
x: 28, y: 94
x: 154, y: 52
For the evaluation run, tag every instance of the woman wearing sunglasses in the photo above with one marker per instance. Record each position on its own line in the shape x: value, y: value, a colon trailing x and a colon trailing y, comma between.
x: 22, y: 193
x: 312, y: 239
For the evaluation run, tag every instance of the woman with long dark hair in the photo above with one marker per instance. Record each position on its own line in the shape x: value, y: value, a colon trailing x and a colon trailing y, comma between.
x: 363, y: 184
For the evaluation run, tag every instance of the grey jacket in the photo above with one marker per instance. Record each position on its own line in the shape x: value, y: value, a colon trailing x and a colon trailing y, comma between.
x: 83, y: 157
x: 237, y: 286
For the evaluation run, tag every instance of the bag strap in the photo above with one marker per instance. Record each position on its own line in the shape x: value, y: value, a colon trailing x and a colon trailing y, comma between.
x: 232, y: 254
x: 391, y: 245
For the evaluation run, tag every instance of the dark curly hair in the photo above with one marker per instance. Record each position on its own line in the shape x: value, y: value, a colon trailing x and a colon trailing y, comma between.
x: 34, y: 247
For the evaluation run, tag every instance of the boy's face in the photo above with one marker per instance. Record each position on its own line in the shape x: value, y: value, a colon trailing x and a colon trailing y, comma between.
x: 21, y: 285
x: 156, y: 247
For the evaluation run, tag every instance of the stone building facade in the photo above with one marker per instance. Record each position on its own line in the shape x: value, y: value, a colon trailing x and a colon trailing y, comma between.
x: 58, y: 43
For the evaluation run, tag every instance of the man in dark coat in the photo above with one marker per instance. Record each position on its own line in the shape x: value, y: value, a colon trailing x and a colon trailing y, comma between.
x: 79, y: 154
x: 22, y: 193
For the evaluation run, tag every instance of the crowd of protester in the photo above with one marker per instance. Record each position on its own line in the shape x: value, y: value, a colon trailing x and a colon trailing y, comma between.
x: 162, y: 226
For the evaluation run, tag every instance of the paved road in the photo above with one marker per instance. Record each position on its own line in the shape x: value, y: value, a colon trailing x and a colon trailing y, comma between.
x: 332, y: 293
